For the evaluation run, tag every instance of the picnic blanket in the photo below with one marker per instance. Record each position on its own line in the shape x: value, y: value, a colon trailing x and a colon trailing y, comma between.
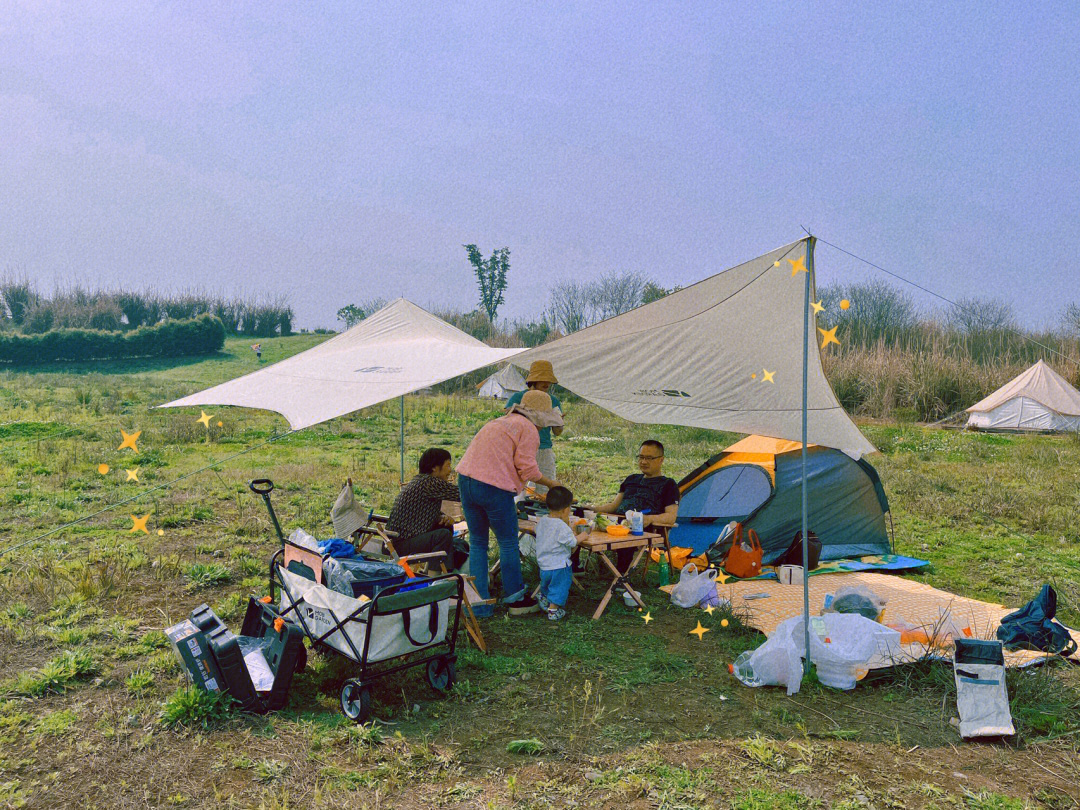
x: 905, y: 600
x: 875, y: 562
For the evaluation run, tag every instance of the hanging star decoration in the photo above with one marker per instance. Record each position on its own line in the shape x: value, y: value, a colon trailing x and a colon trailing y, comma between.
x: 132, y: 475
x: 205, y: 419
x: 721, y: 577
x: 129, y: 439
x: 817, y: 306
x: 699, y: 631
x: 797, y: 266
x: 767, y: 376
x: 828, y: 336
x: 138, y: 524
x: 647, y: 617
x: 709, y: 609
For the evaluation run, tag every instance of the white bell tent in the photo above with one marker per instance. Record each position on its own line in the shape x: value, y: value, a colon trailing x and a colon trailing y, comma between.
x: 1040, y: 400
x: 503, y: 384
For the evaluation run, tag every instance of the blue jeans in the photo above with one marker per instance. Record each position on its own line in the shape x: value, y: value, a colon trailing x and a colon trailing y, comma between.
x: 487, y: 507
x: 555, y: 584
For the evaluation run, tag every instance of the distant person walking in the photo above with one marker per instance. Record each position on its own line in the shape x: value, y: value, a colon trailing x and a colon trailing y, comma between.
x: 541, y: 378
x: 257, y: 348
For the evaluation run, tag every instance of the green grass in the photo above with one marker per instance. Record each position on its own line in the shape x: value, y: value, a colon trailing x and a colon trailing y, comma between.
x: 647, y: 707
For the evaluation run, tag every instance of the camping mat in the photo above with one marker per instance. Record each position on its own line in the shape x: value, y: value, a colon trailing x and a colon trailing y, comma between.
x: 875, y: 562
x: 906, y: 600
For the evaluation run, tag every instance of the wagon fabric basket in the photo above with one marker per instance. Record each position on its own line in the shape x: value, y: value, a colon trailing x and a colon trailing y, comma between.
x: 406, y: 621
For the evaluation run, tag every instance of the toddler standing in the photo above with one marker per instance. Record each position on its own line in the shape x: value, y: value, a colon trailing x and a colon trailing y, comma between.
x: 555, y: 540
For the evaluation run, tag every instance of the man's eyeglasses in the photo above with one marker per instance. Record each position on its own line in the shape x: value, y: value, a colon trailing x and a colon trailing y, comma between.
x: 648, y: 458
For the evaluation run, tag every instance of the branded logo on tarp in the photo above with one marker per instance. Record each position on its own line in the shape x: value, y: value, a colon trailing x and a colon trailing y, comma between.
x: 661, y: 392
x: 380, y: 370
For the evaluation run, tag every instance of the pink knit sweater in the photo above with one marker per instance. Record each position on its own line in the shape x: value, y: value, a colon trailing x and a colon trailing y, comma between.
x: 503, y: 453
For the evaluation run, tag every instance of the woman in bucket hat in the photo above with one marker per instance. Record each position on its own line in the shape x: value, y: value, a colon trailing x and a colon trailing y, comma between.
x: 541, y: 378
x: 493, y: 471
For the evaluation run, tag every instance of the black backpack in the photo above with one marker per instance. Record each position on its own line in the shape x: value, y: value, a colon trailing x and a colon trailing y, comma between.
x: 1032, y: 627
x: 793, y: 555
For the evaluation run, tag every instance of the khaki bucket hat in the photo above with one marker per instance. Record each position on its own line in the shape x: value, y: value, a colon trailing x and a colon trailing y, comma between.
x: 541, y: 371
x: 536, y: 407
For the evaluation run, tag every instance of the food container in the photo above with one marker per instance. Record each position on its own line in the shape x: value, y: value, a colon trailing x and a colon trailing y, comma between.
x: 790, y: 574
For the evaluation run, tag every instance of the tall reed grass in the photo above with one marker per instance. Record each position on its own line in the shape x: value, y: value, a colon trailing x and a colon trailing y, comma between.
x: 23, y: 308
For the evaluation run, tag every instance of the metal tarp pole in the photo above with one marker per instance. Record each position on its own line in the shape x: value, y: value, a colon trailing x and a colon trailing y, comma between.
x: 805, y: 504
x: 402, y: 420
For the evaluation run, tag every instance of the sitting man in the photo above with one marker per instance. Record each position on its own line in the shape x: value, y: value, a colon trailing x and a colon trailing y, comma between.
x: 417, y: 517
x: 650, y: 492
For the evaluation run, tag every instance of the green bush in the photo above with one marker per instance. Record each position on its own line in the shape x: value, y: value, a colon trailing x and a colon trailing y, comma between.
x: 56, y: 674
x: 192, y: 707
x: 201, y: 335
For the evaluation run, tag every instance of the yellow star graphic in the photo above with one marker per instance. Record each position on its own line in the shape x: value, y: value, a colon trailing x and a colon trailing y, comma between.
x: 721, y: 577
x: 129, y: 440
x: 647, y: 617
x: 205, y: 419
x: 132, y: 475
x: 817, y: 306
x: 797, y: 266
x: 138, y: 524
x: 699, y: 631
x: 767, y: 376
x: 709, y: 609
x: 828, y: 336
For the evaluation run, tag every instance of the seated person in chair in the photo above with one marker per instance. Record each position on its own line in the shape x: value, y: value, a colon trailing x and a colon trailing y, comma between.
x: 650, y: 492
x: 416, y: 517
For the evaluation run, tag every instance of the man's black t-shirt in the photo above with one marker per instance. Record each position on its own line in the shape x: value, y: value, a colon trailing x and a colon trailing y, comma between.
x: 649, y: 495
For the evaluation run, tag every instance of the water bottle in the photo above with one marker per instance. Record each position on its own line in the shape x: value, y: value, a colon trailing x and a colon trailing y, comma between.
x: 665, y: 571
x: 637, y: 522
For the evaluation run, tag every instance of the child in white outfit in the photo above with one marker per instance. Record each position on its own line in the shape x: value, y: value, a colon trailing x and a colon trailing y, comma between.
x: 555, y: 540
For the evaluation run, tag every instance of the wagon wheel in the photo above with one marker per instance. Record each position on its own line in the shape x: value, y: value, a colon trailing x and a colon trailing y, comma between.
x: 356, y: 701
x: 441, y: 674
x: 301, y: 659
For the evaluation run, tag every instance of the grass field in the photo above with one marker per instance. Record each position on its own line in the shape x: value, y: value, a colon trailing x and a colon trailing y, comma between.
x: 613, y: 713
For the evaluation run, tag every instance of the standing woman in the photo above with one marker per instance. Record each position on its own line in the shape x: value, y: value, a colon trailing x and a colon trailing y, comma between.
x: 494, y: 469
x: 541, y: 378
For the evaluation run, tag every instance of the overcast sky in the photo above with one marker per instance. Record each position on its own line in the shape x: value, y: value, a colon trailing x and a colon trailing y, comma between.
x: 337, y: 152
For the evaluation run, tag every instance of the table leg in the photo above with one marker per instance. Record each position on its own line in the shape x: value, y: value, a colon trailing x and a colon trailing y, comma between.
x: 619, y: 579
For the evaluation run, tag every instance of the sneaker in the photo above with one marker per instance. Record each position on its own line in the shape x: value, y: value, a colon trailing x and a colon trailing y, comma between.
x: 628, y: 600
x: 522, y: 607
x: 542, y: 601
x: 554, y: 614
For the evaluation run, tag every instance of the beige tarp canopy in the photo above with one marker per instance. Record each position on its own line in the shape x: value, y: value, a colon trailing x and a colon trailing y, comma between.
x: 399, y: 349
x: 724, y: 354
x: 1039, y: 399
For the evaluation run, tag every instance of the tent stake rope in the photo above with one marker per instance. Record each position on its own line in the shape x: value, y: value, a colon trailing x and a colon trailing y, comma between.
x: 142, y: 494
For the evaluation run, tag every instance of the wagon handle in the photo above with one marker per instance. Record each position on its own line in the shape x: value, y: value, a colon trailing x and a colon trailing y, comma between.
x: 263, y: 487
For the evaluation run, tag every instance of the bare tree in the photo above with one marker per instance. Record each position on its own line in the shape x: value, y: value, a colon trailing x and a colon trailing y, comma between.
x: 570, y: 307
x: 615, y: 294
x: 972, y: 315
x: 1070, y: 320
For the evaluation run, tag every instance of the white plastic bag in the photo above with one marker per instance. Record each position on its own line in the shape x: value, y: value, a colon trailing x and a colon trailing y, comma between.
x: 693, y: 586
x: 777, y: 662
x: 305, y: 540
x: 850, y: 644
x: 843, y: 646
